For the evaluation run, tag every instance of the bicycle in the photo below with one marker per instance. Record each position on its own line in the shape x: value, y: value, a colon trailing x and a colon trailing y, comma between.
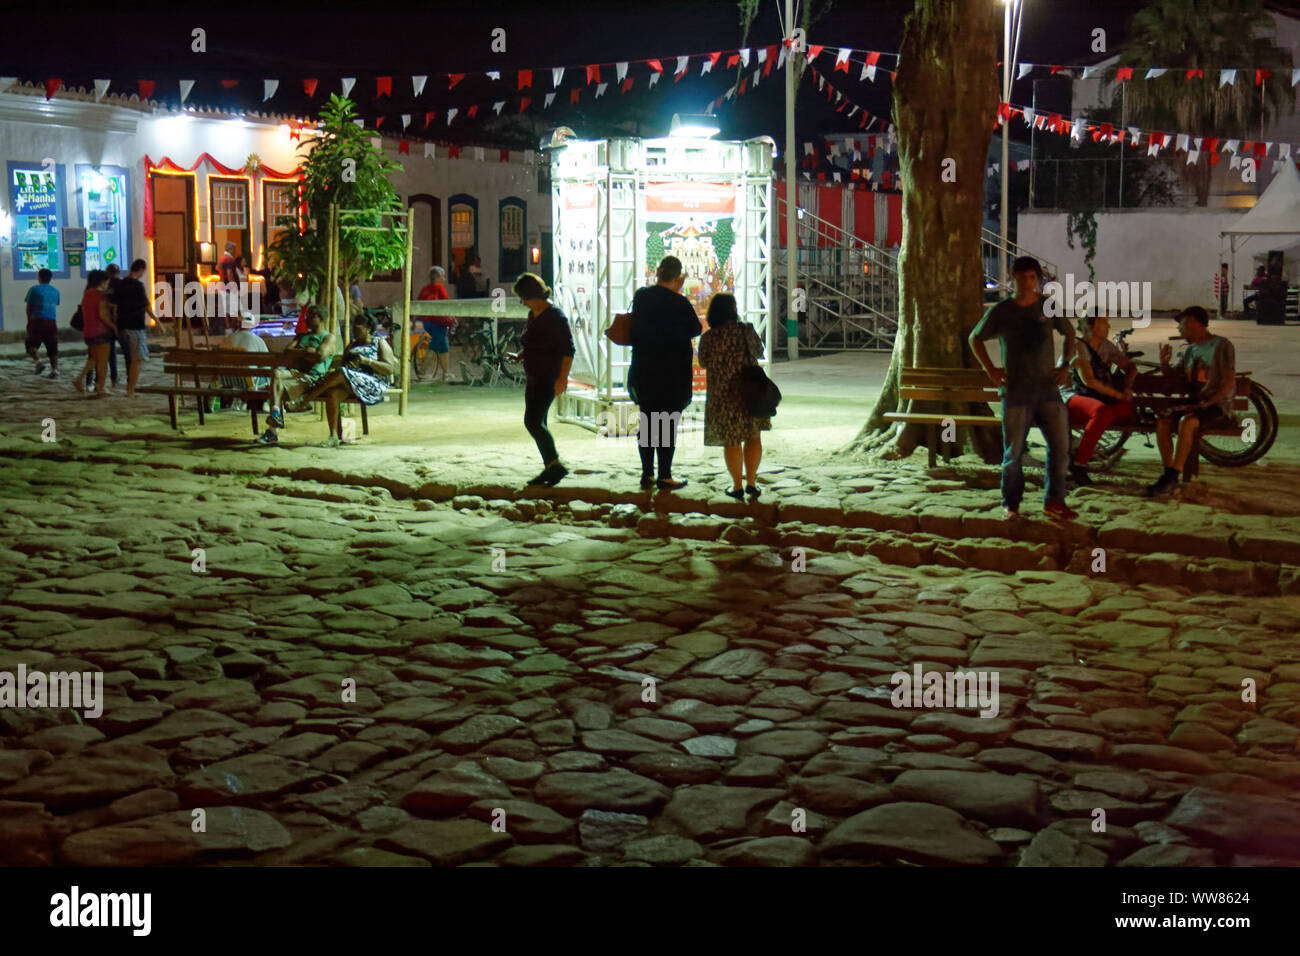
x: 1226, y: 450
x: 492, y: 356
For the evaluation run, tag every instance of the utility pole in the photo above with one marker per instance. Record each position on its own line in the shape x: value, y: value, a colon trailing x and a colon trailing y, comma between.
x: 791, y: 190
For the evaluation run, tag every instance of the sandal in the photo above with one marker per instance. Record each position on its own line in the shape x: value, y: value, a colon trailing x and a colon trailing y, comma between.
x: 752, y: 491
x: 736, y: 493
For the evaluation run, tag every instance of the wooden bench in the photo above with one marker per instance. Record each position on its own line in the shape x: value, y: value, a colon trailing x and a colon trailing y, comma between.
x: 199, y: 372
x: 944, y: 386
x: 1159, y: 391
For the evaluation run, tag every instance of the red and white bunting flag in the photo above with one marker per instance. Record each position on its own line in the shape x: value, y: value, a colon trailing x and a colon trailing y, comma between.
x: 557, y: 74
x: 593, y: 73
x: 1023, y: 70
x: 807, y: 149
x: 708, y: 63
x: 655, y: 65
x: 762, y: 54
x: 505, y: 156
x: 186, y: 86
x: 1261, y: 76
x: 1181, y: 142
x: 600, y: 89
x: 451, y: 114
x: 525, y: 79
x: 347, y: 83
x: 479, y: 154
x: 383, y: 86
x: 428, y: 118
x: 1195, y: 74
x: 744, y: 57
x: 308, y: 86
x: 654, y: 78
x: 498, y: 106
x: 682, y: 61
x: 780, y: 60
x: 472, y: 111
x: 574, y: 94
x: 146, y: 88
x: 404, y: 146
x: 417, y: 84
x: 1156, y: 71
x: 268, y: 89
x: 1123, y: 73
x: 842, y: 59
x: 1056, y: 69
x: 1088, y: 71
x: 406, y: 120
x: 523, y: 104
x: 620, y: 70
x: 548, y: 100
x: 453, y: 79
x: 453, y: 152
x: 1227, y: 77
x: 377, y: 142
x: 813, y: 52
x: 733, y: 60
x: 492, y: 74
x: 626, y: 85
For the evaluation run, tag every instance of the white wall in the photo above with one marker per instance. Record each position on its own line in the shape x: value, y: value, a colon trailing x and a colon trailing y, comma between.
x: 1177, y: 250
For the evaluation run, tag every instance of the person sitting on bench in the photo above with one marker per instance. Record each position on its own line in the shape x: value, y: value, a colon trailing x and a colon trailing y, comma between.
x: 364, y: 376
x: 1209, y: 362
x: 1094, y: 397
x: 291, y: 384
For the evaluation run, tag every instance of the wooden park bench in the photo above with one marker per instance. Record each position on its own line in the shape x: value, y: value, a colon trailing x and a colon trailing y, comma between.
x: 950, y: 386
x: 198, y: 372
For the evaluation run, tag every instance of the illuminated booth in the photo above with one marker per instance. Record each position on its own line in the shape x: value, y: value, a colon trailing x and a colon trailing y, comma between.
x: 621, y: 205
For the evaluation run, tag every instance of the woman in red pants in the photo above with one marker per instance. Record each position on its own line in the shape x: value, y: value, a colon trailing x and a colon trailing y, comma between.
x: 1096, y: 397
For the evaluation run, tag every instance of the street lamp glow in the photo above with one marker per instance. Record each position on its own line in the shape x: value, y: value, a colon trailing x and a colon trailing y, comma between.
x: 694, y: 126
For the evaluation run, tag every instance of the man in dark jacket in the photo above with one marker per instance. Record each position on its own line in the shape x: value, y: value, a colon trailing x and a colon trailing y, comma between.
x: 659, y: 380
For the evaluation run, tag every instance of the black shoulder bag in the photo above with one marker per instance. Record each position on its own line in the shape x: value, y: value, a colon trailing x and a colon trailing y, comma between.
x: 758, y: 393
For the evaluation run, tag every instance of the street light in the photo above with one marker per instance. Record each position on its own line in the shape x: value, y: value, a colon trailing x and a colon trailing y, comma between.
x: 1008, y: 60
x: 697, y: 126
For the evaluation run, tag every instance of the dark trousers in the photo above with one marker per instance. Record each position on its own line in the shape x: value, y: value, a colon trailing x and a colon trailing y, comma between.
x: 657, y: 431
x: 537, y: 402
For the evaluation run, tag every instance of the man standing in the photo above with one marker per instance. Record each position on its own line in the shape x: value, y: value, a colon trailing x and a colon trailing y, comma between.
x: 1209, y: 362
x: 1028, y: 383
x: 42, y: 322
x: 132, y: 303
x: 659, y: 380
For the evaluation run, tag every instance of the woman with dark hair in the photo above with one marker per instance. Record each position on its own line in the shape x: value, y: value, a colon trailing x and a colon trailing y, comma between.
x: 98, y: 331
x: 364, y: 375
x: 728, y: 346
x: 437, y: 326
x: 546, y: 349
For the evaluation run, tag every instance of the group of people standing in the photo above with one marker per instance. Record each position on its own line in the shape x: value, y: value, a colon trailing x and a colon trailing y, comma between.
x: 663, y: 327
x: 1090, y: 387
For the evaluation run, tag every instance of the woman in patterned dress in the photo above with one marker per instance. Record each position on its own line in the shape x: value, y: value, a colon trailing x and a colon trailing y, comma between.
x: 363, y: 377
x: 728, y: 346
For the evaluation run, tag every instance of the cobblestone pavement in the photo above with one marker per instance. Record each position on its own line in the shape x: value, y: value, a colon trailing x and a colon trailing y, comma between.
x: 595, y: 676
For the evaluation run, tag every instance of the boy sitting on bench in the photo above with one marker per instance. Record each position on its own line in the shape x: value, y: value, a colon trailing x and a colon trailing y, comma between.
x: 291, y: 384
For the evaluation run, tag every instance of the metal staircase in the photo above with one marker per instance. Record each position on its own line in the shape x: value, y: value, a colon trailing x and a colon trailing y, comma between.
x: 851, y: 285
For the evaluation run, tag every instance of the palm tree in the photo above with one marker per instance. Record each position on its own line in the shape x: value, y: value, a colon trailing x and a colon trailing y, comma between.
x: 1208, y: 35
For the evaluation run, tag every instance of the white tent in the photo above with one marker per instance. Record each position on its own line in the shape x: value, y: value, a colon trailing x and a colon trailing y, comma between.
x: 1275, y: 213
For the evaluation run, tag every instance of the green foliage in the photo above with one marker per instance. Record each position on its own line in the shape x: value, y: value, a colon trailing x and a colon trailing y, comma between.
x: 654, y: 249
x: 1081, y: 224
x: 724, y: 237
x: 341, y: 167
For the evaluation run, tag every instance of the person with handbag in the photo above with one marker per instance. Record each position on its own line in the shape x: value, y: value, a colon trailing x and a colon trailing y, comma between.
x: 98, y: 330
x: 659, y: 379
x: 1096, y: 397
x: 727, y: 349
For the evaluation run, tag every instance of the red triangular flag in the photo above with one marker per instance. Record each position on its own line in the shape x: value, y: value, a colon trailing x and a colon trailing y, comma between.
x: 713, y: 59
x: 656, y: 66
x: 1199, y: 74
x: 472, y: 111
x: 813, y: 51
x: 573, y: 94
x: 525, y: 78
x: 428, y: 118
x: 455, y: 78
x: 379, y: 122
x: 383, y: 86
x: 771, y: 58
x: 1212, y: 144
x: 873, y: 59
x: 840, y: 108
x: 733, y: 60
x: 505, y: 155
x: 593, y: 73
x: 1261, y: 76
x: 309, y: 87
x: 230, y: 84
x: 1056, y: 70
x: 523, y: 104
x: 743, y: 83
x: 627, y: 85
x: 52, y: 87
x: 404, y: 146
x: 146, y: 88
x: 1123, y: 73
x: 453, y: 152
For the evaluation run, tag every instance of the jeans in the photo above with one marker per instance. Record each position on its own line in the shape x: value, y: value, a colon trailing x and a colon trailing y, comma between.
x: 537, y: 402
x: 1050, y: 415
x: 657, y: 430
x: 1094, y: 417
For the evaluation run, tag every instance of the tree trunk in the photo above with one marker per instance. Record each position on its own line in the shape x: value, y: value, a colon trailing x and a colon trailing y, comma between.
x: 945, y: 99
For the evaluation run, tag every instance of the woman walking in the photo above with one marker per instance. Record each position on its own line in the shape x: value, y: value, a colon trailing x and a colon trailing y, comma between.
x: 546, y: 349
x: 98, y: 331
x: 728, y: 346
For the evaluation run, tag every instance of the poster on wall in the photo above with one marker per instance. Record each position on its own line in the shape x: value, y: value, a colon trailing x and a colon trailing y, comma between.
x: 34, y: 193
x: 695, y: 222
x: 576, y: 248
x: 103, y: 205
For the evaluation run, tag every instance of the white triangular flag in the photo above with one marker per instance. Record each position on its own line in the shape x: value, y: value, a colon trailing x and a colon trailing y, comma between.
x: 101, y: 87
x: 1156, y: 71
x: 417, y: 84
x: 807, y: 149
x: 620, y: 70
x: 550, y: 98
x: 757, y: 74
x: 1023, y: 70
x: 1196, y: 143
x: 1029, y: 115
x: 451, y: 114
x: 851, y: 112
x: 993, y: 169
x: 268, y: 89
x: 494, y: 74
x: 654, y: 77
x: 780, y: 58
x: 348, y: 82
x: 359, y: 122
x: 600, y: 89
x: 1283, y: 150
x: 1235, y: 162
x: 1153, y: 149
x: 1267, y: 147
x: 821, y: 82
x: 1076, y: 131
x: 186, y: 86
x: 1277, y: 164
x: 837, y: 177
x: 1295, y: 77
x: 744, y: 57
x: 707, y: 67
x: 1088, y: 71
x: 1227, y: 77
x: 682, y: 62
x: 841, y: 57
x: 729, y: 94
x: 1181, y: 143
x: 406, y: 120
x: 557, y: 74
x: 1192, y: 156
x: 762, y: 55
x: 497, y: 106
x: 479, y: 154
x: 870, y: 73
x: 429, y: 151
x: 1231, y: 146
